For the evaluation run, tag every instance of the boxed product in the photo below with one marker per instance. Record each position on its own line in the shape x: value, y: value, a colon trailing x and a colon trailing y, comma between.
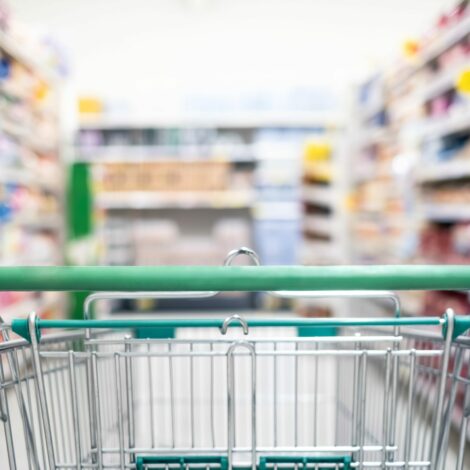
x: 166, y: 176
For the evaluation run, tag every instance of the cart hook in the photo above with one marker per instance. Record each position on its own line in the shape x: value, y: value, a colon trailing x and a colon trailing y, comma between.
x: 231, y: 255
x: 232, y: 318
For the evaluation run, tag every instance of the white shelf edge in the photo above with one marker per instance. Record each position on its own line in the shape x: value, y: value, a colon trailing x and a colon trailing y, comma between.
x: 40, y: 222
x: 319, y: 252
x: 253, y: 119
x: 446, y: 212
x: 444, y: 171
x: 178, y: 200
x: 370, y: 110
x: 443, y: 82
x: 453, y: 35
x: 161, y: 153
x: 277, y: 210
x: 9, y: 45
x: 318, y: 195
x: 374, y: 135
x: 435, y: 128
x: 321, y: 224
x: 21, y: 135
x: 26, y: 177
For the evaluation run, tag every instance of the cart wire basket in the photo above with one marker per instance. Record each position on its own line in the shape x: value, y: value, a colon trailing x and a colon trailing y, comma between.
x: 222, y: 393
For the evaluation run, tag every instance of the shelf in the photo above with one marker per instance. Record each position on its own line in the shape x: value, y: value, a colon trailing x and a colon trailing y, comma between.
x: 248, y: 120
x: 23, y: 176
x: 38, y: 146
x: 444, y: 171
x: 317, y: 194
x: 373, y: 109
x: 15, y: 175
x: 443, y: 82
x: 10, y: 46
x: 450, y: 37
x: 368, y: 171
x: 374, y: 135
x: 380, y: 217
x: 33, y: 181
x: 316, y: 252
x: 322, y: 171
x: 452, y: 124
x: 185, y: 153
x: 22, y: 135
x: 13, y: 130
x: 37, y: 222
x: 319, y: 224
x: 175, y: 200
x: 447, y: 212
x: 284, y: 210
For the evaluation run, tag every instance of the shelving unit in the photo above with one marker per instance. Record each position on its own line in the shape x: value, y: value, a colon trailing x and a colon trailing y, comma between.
x: 139, y: 200
x: 379, y: 216
x: 183, y: 218
x: 210, y: 120
x: 320, y: 197
x: 32, y: 176
x: 411, y: 184
x: 324, y: 200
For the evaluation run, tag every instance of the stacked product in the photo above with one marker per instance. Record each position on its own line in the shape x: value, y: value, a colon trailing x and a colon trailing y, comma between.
x: 205, y: 168
x: 413, y: 206
x: 31, y: 178
x: 323, y: 219
x: 380, y: 194
x: 445, y: 244
x: 277, y: 215
x: 166, y: 176
x: 319, y: 214
x: 161, y: 243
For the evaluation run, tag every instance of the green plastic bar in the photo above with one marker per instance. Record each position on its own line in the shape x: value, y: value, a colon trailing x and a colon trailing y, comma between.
x: 184, y: 461
x: 20, y: 325
x: 304, y: 461
x: 461, y: 325
x: 251, y: 278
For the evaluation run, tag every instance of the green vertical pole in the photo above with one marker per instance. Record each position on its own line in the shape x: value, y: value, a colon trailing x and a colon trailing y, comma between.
x: 79, y: 223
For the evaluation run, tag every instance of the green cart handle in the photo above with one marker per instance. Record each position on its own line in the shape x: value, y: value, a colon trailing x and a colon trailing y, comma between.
x: 21, y: 327
x: 233, y: 278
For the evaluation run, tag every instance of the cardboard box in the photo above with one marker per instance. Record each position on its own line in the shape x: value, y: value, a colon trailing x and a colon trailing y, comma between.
x: 166, y: 176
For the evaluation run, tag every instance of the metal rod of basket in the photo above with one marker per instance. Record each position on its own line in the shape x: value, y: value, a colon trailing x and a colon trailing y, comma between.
x: 20, y: 325
x: 460, y: 324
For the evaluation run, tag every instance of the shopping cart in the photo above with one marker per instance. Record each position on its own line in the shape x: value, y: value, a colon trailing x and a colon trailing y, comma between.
x: 287, y: 393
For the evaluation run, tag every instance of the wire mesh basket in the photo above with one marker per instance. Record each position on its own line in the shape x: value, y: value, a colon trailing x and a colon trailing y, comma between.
x: 200, y: 392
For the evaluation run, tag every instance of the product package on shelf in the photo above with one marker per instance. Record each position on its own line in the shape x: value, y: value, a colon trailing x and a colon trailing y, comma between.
x: 165, y: 176
x: 31, y: 176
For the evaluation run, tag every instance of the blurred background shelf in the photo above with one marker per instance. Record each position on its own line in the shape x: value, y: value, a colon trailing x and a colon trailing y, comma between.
x: 32, y: 176
x: 232, y: 120
x: 175, y: 200
x: 451, y: 170
x: 410, y: 167
x: 447, y: 212
x: 201, y: 183
x: 10, y: 46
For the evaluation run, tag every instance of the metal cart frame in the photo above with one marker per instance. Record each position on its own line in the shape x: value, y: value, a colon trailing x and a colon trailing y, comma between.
x: 89, y: 399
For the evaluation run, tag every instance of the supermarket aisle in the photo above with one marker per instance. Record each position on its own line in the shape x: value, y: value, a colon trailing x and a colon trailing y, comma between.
x: 172, y: 132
